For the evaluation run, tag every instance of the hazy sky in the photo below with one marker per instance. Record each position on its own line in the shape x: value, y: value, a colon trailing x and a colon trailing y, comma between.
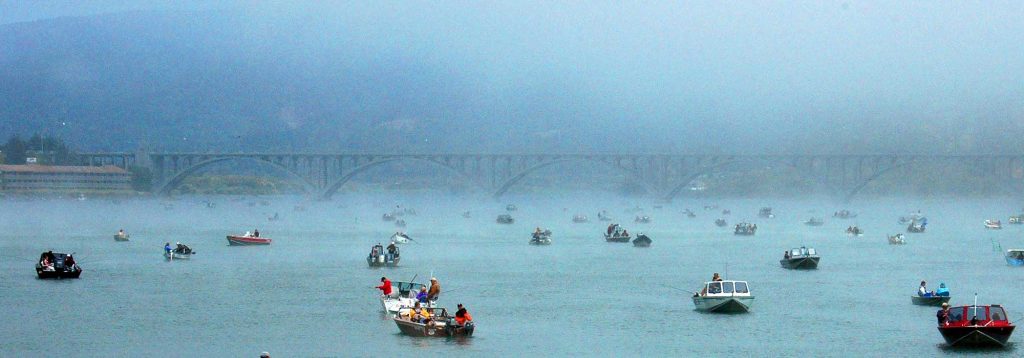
x: 735, y: 72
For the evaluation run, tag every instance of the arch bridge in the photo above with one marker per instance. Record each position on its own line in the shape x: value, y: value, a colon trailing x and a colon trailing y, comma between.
x: 663, y: 175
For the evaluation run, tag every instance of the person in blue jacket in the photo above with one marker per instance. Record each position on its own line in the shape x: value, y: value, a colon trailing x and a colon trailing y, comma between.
x: 942, y: 291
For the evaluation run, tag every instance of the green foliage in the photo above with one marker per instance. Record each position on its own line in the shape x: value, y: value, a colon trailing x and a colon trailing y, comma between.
x: 236, y: 185
x: 49, y: 150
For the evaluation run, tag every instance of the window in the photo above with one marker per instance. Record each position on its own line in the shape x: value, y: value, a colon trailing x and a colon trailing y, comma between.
x: 726, y: 287
x: 956, y: 314
x: 997, y: 313
x: 715, y: 287
x: 976, y: 312
x: 741, y: 287
x: 811, y: 252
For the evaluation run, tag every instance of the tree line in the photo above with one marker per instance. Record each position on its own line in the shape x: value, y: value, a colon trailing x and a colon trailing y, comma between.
x: 46, y: 150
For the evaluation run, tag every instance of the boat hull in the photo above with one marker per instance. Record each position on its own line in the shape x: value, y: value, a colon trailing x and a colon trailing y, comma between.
x: 723, y: 304
x: 247, y: 241
x: 57, y: 274
x: 642, y: 243
x: 176, y: 256
x: 121, y: 237
x: 929, y: 301
x: 414, y: 329
x: 977, y: 336
x: 1014, y: 262
x: 540, y: 242
x: 617, y: 238
x: 802, y: 263
x: 379, y: 262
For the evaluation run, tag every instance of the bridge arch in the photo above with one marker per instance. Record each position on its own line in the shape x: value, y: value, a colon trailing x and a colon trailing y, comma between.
x: 849, y: 195
x: 337, y: 184
x: 180, y: 177
x: 508, y: 184
x: 715, y: 167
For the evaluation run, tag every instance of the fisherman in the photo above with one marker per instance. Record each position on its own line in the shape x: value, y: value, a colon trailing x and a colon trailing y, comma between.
x: 942, y: 291
x: 120, y: 233
x: 462, y: 316
x: 167, y: 247
x: 419, y: 314
x: 785, y: 255
x: 422, y: 295
x: 435, y: 290
x: 385, y: 286
x: 69, y: 262
x: 256, y: 232
x: 716, y: 277
x: 611, y: 228
x: 923, y: 291
x: 943, y: 315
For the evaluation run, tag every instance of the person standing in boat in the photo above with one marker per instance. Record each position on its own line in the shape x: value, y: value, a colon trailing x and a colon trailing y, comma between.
x: 942, y: 291
x: 385, y: 286
x: 435, y: 290
x: 167, y: 247
x: 462, y: 316
x: 255, y: 232
x: 943, y: 314
x: 923, y: 290
x: 421, y: 297
x: 785, y: 255
x: 391, y: 251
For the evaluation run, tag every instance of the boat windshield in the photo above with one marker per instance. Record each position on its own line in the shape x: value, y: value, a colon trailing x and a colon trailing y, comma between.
x: 811, y: 252
x: 976, y: 312
x: 715, y: 287
x: 956, y: 314
x: 997, y: 313
x: 741, y: 287
x: 406, y: 287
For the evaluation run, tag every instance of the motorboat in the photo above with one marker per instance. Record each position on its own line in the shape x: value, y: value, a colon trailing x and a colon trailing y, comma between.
x: 541, y: 238
x: 802, y: 258
x: 854, y: 231
x: 399, y: 223
x: 912, y: 217
x: 844, y: 214
x: 642, y: 240
x: 441, y: 324
x: 720, y: 222
x: 400, y: 238
x: 1016, y: 219
x: 405, y: 297
x: 724, y: 297
x: 993, y: 224
x: 1015, y: 257
x: 579, y: 219
x: 57, y: 265
x: 616, y: 233
x: 897, y: 239
x: 931, y: 300
x: 247, y: 239
x: 505, y: 219
x: 511, y: 207
x: 917, y: 226
x: 766, y: 213
x: 726, y: 212
x: 985, y: 325
x: 121, y: 236
x: 746, y: 229
x: 814, y: 222
x: 380, y: 258
x: 643, y: 219
x: 388, y: 217
x: 180, y: 252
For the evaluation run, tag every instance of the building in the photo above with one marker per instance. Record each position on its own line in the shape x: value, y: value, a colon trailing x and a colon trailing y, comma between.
x: 64, y: 178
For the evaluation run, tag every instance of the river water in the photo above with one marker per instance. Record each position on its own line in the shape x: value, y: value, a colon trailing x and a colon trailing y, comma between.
x: 309, y: 294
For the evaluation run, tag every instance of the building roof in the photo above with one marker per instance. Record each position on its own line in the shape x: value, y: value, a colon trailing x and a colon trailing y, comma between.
x: 61, y: 169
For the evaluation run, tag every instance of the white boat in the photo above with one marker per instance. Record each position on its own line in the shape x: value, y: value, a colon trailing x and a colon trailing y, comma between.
x: 993, y: 224
x: 724, y: 297
x: 400, y: 238
x: 897, y: 239
x: 541, y: 238
x: 403, y: 295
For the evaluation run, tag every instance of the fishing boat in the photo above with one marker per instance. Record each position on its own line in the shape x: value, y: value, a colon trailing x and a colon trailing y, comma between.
x: 399, y: 223
x: 724, y: 297
x: 897, y: 239
x: 802, y: 258
x: 247, y: 240
x: 993, y: 224
x: 766, y: 213
x: 405, y: 297
x: 400, y: 238
x: 642, y: 240
x: 844, y: 214
x: 121, y: 236
x: 917, y: 226
x: 616, y: 233
x: 57, y: 265
x: 541, y: 238
x: 467, y: 215
x: 745, y: 229
x: 643, y: 219
x: 1015, y: 257
x: 579, y: 219
x: 380, y: 258
x: 505, y: 219
x: 814, y: 222
x: 985, y: 325
x: 511, y: 207
x: 854, y: 231
x: 720, y: 222
x: 441, y: 325
x: 181, y: 252
x: 1016, y: 219
x: 932, y: 300
x: 388, y: 217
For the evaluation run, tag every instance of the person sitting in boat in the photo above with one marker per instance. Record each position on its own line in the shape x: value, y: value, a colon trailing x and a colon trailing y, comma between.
x: 537, y: 233
x: 942, y: 291
x: 255, y: 232
x: 923, y: 291
x: 625, y: 233
x: 943, y: 315
x: 462, y: 316
x: 385, y: 286
x: 785, y: 255
x: 419, y: 314
x: 435, y: 290
x: 69, y: 262
x: 120, y: 233
x: 422, y: 296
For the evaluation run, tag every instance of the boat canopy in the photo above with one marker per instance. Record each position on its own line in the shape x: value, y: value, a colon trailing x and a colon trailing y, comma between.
x: 404, y: 288
x: 802, y: 251
x: 977, y: 315
x: 725, y: 289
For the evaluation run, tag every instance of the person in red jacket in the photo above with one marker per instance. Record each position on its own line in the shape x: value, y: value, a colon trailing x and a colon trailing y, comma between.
x: 385, y: 287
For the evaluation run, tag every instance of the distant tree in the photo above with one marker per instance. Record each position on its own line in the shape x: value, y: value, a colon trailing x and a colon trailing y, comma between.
x: 14, y: 150
x: 142, y: 178
x: 53, y: 150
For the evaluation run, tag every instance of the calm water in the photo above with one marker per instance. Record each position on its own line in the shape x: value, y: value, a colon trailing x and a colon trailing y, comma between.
x: 309, y: 294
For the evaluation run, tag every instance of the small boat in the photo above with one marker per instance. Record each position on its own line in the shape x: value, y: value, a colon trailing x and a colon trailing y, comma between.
x: 803, y: 258
x: 406, y: 297
x: 1015, y: 257
x: 603, y: 216
x: 121, y: 236
x: 400, y: 238
x: 1017, y: 219
x: 181, y: 252
x: 616, y: 233
x: 917, y: 226
x: 441, y: 324
x: 897, y: 239
x: 511, y: 207
x: 720, y: 222
x: 541, y: 238
x: 765, y: 212
x: 399, y: 223
x: 644, y: 219
x: 380, y: 258
x: 244, y: 240
x: 912, y: 217
x: 929, y: 300
x: 854, y: 231
x: 724, y: 297
x: 814, y: 222
x: 57, y: 265
x: 505, y: 219
x: 993, y: 224
x: 745, y: 229
x: 388, y: 217
x: 844, y: 214
x: 974, y: 325
x: 642, y: 240
x: 579, y: 219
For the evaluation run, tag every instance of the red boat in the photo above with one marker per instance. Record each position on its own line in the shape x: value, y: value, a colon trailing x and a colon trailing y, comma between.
x: 977, y: 326
x: 247, y: 240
